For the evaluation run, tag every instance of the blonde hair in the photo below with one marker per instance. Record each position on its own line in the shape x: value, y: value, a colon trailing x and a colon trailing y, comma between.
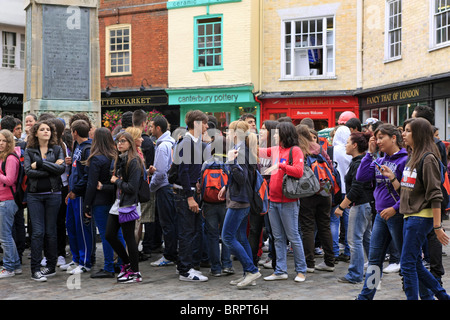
x: 10, y: 144
x: 135, y: 133
x: 241, y: 130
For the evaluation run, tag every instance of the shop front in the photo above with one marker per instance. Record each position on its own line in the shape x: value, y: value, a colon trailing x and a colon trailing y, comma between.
x: 145, y: 100
x: 396, y: 104
x: 325, y: 111
x: 227, y: 104
x: 11, y: 104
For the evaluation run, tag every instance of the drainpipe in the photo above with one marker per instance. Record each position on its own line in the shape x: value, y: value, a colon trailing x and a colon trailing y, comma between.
x: 261, y: 66
x: 359, y: 43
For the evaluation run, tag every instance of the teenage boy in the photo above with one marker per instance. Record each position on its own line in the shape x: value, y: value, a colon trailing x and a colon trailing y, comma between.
x: 188, y: 156
x: 79, y: 228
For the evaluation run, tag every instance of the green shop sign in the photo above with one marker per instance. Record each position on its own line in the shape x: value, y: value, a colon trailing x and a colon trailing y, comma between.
x: 195, y: 3
x: 239, y: 95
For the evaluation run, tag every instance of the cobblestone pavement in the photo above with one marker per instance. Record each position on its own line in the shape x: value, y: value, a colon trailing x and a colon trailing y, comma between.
x: 161, y: 283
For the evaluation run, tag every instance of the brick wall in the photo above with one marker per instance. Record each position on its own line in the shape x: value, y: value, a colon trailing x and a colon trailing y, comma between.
x: 148, y: 21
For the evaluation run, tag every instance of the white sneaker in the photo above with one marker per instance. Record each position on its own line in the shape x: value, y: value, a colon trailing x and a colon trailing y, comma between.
x: 392, y: 268
x: 323, y: 267
x: 162, y: 262
x: 264, y: 261
x: 61, y: 261
x: 274, y: 276
x: 80, y: 269
x: 193, y: 276
x: 6, y: 274
x: 248, y: 279
x: 68, y: 266
x: 300, y: 277
x: 235, y: 282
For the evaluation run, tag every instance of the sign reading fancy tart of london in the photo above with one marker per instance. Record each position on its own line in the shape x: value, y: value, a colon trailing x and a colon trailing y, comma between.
x: 396, y: 96
x: 194, y: 3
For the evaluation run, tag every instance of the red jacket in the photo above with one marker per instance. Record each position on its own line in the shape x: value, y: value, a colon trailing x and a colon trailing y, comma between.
x: 281, y: 156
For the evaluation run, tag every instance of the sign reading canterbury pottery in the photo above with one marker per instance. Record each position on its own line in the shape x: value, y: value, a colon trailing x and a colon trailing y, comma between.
x: 195, y: 3
x: 236, y: 95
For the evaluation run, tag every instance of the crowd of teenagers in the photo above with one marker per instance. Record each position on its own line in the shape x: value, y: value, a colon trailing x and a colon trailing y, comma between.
x: 384, y: 197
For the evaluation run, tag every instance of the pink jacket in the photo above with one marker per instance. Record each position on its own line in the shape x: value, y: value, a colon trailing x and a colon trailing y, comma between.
x: 8, y: 180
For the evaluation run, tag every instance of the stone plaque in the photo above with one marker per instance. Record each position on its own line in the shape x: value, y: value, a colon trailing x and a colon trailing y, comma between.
x: 66, y: 53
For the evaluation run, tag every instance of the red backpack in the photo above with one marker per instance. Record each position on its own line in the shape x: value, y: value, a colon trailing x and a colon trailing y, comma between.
x: 214, y: 178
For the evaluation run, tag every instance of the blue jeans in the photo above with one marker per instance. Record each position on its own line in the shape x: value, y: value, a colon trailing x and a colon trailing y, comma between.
x: 100, y: 214
x: 383, y: 232
x: 11, y: 260
x: 335, y: 230
x: 415, y: 231
x: 358, y: 235
x: 214, y: 218
x: 234, y: 235
x: 43, y: 210
x: 189, y: 234
x: 284, y: 222
x: 168, y: 220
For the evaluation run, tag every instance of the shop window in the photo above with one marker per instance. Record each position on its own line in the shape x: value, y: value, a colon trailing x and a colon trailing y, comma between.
x: 393, y: 29
x: 440, y: 28
x: 118, y: 50
x: 308, y: 48
x: 223, y: 119
x: 383, y: 115
x: 276, y: 116
x: 8, y: 49
x: 208, y: 43
x: 393, y: 116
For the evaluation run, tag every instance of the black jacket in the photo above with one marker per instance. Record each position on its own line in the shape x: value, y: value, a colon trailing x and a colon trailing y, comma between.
x: 357, y: 192
x: 129, y: 180
x: 45, y: 168
x: 99, y: 170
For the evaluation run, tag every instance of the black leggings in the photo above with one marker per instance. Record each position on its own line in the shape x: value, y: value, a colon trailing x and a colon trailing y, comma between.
x: 112, y: 228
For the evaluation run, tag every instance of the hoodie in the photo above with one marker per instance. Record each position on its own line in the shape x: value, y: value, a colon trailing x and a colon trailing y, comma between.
x: 340, y: 156
x: 9, y: 180
x: 163, y: 160
x: 384, y: 193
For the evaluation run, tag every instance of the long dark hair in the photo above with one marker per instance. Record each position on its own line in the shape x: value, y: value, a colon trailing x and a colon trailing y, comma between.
x: 132, y: 152
x: 422, y: 135
x: 270, y: 125
x: 102, y: 144
x: 33, y: 141
x: 288, y: 135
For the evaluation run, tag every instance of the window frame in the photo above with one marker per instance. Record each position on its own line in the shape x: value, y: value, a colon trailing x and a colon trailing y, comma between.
x: 389, y: 31
x: 325, y: 48
x: 10, y: 57
x: 433, y: 27
x: 197, y: 67
x: 108, y: 52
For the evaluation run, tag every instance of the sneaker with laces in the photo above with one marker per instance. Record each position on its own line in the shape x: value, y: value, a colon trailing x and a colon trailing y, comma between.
x: 130, y: 277
x: 38, y: 276
x: 228, y: 271
x: 124, y: 270
x: 18, y: 271
x: 248, y: 279
x: 46, y: 272
x: 80, y: 269
x: 235, y: 282
x: 193, y: 276
x: 162, y: 262
x: 6, y: 274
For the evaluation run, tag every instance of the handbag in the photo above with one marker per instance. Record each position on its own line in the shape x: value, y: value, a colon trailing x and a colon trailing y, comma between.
x: 128, y: 213
x: 305, y: 186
